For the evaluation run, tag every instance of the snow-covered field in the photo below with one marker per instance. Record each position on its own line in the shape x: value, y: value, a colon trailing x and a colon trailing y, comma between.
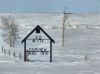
x: 81, y: 38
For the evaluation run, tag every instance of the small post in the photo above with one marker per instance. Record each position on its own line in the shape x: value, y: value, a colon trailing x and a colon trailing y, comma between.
x: 2, y: 50
x: 9, y: 52
x: 20, y: 56
x: 85, y: 57
x: 14, y: 54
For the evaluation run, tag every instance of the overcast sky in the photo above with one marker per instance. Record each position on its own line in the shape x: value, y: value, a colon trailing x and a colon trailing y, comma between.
x: 50, y: 6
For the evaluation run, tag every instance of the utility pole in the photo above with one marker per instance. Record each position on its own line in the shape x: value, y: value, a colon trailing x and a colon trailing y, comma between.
x: 63, y: 28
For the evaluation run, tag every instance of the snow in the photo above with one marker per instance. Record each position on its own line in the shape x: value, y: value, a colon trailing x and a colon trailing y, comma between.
x: 80, y: 40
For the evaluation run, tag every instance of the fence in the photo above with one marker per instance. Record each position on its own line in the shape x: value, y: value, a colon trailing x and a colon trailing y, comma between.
x: 12, y: 53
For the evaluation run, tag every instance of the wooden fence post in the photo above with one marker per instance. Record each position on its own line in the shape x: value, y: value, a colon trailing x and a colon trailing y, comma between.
x: 20, y: 56
x: 14, y: 54
x: 9, y: 52
x: 2, y: 50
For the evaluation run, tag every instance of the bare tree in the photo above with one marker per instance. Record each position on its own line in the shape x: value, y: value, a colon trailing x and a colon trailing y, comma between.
x: 63, y: 28
x: 10, y: 30
x: 14, y: 32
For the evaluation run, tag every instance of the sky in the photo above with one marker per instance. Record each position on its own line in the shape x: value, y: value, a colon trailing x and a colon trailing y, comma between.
x: 49, y: 6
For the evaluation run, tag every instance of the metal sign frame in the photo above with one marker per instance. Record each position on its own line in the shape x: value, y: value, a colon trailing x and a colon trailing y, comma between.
x: 37, y: 29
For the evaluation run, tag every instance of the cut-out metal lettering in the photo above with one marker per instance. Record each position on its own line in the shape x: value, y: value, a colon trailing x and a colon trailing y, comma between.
x: 39, y: 39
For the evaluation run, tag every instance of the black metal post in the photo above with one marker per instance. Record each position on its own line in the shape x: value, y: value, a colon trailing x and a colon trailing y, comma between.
x: 25, y: 51
x: 50, y: 51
